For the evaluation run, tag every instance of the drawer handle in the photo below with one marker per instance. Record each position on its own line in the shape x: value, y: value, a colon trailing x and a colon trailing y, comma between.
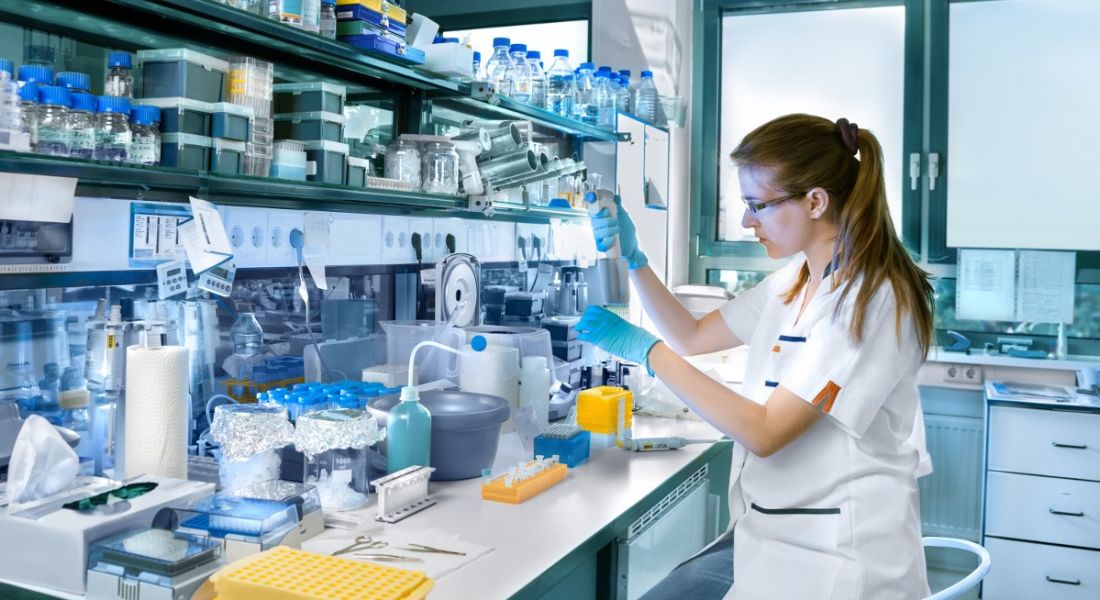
x: 1065, y: 581
x: 1066, y: 513
x: 1072, y: 446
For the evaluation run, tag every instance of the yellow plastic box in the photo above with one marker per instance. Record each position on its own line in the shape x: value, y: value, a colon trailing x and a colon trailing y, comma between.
x: 598, y: 409
x: 379, y: 6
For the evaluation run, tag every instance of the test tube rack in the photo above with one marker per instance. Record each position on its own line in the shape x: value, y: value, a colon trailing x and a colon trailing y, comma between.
x: 403, y: 494
x: 514, y: 487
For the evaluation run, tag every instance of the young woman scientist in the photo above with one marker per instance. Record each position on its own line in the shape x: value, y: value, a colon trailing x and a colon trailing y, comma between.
x: 824, y: 500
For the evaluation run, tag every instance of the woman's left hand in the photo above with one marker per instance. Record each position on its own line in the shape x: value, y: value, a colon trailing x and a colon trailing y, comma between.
x: 607, y: 330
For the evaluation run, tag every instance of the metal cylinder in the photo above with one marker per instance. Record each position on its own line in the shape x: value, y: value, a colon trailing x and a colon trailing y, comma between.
x: 510, y: 165
x: 505, y: 140
x: 479, y: 135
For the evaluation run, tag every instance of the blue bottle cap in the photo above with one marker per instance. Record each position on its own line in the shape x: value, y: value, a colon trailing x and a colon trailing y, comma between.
x: 624, y: 72
x: 518, y: 48
x: 40, y: 74
x: 590, y: 197
x: 647, y: 74
x: 448, y: 40
x: 329, y: 2
x: 479, y: 343
x: 586, y: 66
x: 73, y: 80
x: 535, y: 54
x: 147, y: 115
x: 29, y: 93
x: 114, y: 104
x: 561, y: 52
x: 477, y: 57
x: 55, y: 95
x: 501, y: 41
x: 7, y: 66
x: 119, y: 58
x: 605, y: 68
x: 603, y: 74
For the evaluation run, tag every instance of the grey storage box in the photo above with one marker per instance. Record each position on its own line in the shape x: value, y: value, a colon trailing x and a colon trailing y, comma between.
x: 310, y: 126
x: 357, y: 172
x: 182, y: 115
x: 185, y: 151
x: 231, y: 121
x: 183, y: 73
x: 227, y: 156
x: 317, y: 96
x: 326, y: 161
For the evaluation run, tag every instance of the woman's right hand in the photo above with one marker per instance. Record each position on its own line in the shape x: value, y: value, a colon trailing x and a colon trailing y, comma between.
x: 605, y: 227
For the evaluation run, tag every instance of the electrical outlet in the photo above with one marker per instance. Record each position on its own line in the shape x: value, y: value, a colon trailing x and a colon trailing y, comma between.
x: 425, y: 228
x: 450, y: 226
x: 280, y: 223
x: 397, y: 241
x: 247, y: 229
x: 524, y: 234
x: 964, y: 374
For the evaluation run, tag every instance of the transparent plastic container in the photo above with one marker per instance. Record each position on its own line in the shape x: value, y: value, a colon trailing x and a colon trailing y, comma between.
x: 539, y: 82
x: 587, y: 108
x: 55, y: 132
x: 82, y: 122
x: 120, y: 79
x: 247, y: 335
x: 28, y: 110
x: 645, y: 99
x: 335, y: 443
x: 519, y: 74
x: 286, y: 11
x: 328, y: 19
x: 112, y: 129
x: 626, y: 92
x: 606, y: 98
x: 18, y: 385
x: 496, y: 68
x: 403, y: 162
x: 11, y: 115
x: 145, y: 145
x: 311, y: 15
x: 440, y: 168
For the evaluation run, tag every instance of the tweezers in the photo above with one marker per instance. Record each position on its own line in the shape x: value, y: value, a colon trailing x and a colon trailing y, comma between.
x: 423, y: 548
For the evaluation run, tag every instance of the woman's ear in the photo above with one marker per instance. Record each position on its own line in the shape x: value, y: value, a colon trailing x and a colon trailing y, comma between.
x: 819, y: 202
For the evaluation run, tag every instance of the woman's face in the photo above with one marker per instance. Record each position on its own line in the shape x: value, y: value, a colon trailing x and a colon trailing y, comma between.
x: 784, y: 227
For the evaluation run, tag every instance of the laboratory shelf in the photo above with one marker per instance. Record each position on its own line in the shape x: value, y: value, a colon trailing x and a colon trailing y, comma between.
x: 503, y: 107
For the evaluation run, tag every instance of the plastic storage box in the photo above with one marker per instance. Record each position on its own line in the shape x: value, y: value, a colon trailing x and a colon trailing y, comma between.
x: 319, y: 96
x: 231, y: 121
x: 289, y: 160
x: 227, y: 156
x: 361, y: 21
x: 183, y: 115
x: 569, y: 442
x: 326, y: 161
x: 310, y: 126
x: 357, y: 172
x: 185, y: 151
x: 453, y: 59
x: 395, y: 13
x: 386, y: 47
x: 179, y: 72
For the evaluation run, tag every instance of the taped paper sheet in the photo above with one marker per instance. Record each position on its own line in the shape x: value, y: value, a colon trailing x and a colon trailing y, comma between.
x: 40, y: 198
x: 204, y: 238
x: 317, y: 242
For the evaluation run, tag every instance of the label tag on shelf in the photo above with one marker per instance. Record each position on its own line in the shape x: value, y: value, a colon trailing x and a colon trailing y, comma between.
x: 204, y: 238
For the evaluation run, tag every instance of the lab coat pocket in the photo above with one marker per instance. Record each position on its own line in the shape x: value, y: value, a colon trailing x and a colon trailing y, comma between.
x: 780, y: 571
x: 813, y: 528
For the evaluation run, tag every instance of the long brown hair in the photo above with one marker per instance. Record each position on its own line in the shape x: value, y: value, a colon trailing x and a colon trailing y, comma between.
x: 803, y: 152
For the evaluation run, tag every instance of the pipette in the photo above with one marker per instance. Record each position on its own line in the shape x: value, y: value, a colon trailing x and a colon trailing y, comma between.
x: 659, y: 443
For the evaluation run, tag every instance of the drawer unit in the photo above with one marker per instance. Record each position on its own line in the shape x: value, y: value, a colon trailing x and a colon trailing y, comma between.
x: 1024, y: 571
x: 1043, y: 509
x: 1044, y: 442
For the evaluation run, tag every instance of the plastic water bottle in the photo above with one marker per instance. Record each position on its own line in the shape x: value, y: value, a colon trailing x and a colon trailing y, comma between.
x: 496, y: 69
x: 519, y: 73
x: 605, y: 100
x: 587, y: 108
x: 626, y: 91
x: 28, y: 107
x: 477, y: 66
x: 328, y: 19
x: 311, y: 15
x: 74, y: 415
x: 561, y: 90
x: 247, y: 335
x: 146, y: 138
x: 538, y: 79
x: 112, y: 129
x: 119, y: 80
x: 408, y: 433
x: 645, y: 99
x: 55, y: 132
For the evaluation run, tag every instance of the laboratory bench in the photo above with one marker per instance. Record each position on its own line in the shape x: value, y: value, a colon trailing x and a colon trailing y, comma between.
x: 570, y: 540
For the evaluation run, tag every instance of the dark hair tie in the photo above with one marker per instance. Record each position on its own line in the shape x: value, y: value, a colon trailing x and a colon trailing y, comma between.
x: 849, y: 133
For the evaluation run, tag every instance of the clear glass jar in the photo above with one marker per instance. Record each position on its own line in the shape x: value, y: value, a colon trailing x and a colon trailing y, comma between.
x: 335, y: 443
x: 11, y: 118
x: 145, y: 138
x: 54, y: 129
x: 403, y: 162
x: 328, y: 19
x: 28, y: 107
x: 112, y: 129
x: 440, y: 168
x: 120, y: 79
x: 250, y: 436
x: 82, y: 122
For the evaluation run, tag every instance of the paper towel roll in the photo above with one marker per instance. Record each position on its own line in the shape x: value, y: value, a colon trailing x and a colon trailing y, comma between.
x: 494, y: 371
x: 156, y: 411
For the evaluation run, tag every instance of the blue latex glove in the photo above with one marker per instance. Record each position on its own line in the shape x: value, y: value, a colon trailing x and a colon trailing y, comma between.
x: 605, y: 228
x: 607, y: 330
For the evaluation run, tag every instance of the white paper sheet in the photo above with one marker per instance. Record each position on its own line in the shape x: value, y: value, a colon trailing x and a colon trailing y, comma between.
x: 204, y: 238
x: 986, y: 285
x: 1045, y: 286
x: 397, y: 544
x: 42, y: 198
x: 316, y: 226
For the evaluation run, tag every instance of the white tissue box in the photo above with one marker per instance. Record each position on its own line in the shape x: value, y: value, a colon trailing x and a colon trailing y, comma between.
x: 52, y: 551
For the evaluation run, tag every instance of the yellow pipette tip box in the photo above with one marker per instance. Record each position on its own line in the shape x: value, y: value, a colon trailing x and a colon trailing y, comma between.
x: 283, y: 573
x: 598, y: 409
x: 496, y: 491
x: 379, y: 6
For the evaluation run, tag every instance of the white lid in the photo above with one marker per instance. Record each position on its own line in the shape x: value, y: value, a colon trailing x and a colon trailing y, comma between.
x: 290, y: 146
x: 354, y: 161
x: 231, y: 145
x: 311, y: 116
x: 185, y: 139
x: 233, y: 109
x: 311, y: 86
x: 178, y: 103
x: 191, y: 56
x: 328, y: 146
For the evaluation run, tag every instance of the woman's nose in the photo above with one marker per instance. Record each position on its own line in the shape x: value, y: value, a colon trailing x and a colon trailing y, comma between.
x: 748, y: 219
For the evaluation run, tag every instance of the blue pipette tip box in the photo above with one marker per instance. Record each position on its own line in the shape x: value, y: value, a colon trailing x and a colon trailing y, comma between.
x: 572, y: 449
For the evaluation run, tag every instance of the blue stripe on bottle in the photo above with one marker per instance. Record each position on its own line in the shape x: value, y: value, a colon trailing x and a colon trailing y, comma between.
x: 791, y: 338
x: 771, y: 384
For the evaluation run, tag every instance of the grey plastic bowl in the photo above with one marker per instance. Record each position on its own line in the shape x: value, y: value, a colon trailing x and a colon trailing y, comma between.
x: 465, y: 430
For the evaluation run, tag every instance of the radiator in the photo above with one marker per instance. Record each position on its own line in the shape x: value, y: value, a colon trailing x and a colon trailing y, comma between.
x: 951, y: 497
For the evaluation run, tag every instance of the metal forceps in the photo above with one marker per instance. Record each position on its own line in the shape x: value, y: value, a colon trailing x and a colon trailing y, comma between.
x: 423, y: 548
x: 363, y: 542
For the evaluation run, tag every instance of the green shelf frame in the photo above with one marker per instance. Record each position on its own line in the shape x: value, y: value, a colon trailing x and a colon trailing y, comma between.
x: 503, y: 107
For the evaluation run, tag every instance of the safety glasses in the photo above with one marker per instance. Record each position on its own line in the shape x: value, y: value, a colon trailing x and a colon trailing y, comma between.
x: 756, y: 207
x: 126, y: 492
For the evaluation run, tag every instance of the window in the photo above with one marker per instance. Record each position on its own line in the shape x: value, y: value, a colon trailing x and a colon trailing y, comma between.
x: 544, y: 37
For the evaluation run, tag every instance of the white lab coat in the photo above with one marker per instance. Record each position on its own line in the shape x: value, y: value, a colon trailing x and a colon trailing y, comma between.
x: 835, y: 514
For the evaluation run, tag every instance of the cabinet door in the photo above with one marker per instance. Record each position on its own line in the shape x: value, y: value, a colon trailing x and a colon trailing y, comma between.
x: 1023, y: 571
x: 1044, y: 442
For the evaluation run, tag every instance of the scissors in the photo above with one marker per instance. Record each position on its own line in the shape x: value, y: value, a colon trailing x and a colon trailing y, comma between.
x: 363, y: 542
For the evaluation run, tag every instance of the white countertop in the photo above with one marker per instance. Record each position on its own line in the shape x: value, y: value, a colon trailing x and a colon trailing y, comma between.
x: 1073, y: 363
x: 530, y: 538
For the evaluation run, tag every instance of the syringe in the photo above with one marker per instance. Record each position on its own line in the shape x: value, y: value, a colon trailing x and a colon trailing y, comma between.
x: 659, y: 443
